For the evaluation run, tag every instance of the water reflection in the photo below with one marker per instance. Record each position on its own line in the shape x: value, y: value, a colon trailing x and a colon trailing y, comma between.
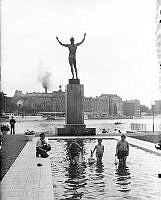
x: 99, y: 178
x: 99, y: 168
x: 123, y: 176
x: 76, y: 179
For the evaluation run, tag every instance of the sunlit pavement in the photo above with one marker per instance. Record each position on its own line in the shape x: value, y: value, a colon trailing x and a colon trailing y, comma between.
x: 147, y: 146
x: 26, y: 181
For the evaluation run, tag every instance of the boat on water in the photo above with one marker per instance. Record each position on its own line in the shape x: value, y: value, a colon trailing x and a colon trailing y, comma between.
x: 21, y: 118
x: 117, y: 123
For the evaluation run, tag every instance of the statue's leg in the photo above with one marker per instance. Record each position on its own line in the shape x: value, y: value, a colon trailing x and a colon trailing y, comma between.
x: 71, y: 66
x: 75, y: 68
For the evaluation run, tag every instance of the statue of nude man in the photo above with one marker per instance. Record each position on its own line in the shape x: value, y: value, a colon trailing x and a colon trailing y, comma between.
x: 72, y: 54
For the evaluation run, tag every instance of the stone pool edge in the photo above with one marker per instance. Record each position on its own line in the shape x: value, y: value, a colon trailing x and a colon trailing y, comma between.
x: 144, y: 145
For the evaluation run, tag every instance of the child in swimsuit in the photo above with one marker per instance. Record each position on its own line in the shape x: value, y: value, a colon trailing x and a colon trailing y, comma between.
x: 99, y: 150
x: 122, y: 150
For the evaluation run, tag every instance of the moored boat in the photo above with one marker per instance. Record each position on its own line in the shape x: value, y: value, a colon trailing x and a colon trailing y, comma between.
x: 117, y: 123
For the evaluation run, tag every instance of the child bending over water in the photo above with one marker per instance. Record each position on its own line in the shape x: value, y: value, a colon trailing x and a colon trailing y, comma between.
x: 74, y: 152
x: 99, y: 150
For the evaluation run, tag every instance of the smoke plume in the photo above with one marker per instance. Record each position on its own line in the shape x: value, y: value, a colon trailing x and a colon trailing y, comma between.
x: 45, y: 79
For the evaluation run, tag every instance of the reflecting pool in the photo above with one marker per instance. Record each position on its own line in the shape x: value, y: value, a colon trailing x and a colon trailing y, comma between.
x: 104, y: 181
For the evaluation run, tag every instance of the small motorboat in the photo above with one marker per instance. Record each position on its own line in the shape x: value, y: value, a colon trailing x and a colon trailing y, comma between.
x: 104, y: 130
x: 117, y: 123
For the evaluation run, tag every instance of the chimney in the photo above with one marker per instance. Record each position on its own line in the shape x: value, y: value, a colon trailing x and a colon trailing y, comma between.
x: 46, y: 90
x: 60, y: 88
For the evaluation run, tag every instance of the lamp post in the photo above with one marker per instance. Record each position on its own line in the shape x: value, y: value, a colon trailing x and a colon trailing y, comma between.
x: 153, y: 114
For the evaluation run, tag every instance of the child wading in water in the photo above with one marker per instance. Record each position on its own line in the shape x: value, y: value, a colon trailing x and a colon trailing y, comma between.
x: 74, y: 152
x: 122, y: 150
x: 99, y: 150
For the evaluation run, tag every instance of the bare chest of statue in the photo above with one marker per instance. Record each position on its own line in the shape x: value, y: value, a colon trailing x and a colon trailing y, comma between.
x: 72, y: 50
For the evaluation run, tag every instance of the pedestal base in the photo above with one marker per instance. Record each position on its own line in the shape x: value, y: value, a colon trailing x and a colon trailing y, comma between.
x: 75, y: 131
x: 75, y: 126
x: 74, y: 114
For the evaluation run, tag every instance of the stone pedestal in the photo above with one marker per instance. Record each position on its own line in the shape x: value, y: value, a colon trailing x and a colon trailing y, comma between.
x: 74, y: 114
x: 74, y: 103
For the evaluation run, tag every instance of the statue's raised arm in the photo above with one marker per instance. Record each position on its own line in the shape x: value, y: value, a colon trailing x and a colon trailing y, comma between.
x: 82, y: 40
x: 65, y: 45
x: 72, y: 53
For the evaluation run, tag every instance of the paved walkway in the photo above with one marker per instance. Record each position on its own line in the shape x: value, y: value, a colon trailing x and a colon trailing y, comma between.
x: 25, y: 180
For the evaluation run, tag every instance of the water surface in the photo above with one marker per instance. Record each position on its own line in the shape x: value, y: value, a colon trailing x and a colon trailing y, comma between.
x: 105, y: 181
x: 108, y: 124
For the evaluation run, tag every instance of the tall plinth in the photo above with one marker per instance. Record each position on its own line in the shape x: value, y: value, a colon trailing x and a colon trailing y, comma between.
x: 74, y: 103
x: 74, y: 114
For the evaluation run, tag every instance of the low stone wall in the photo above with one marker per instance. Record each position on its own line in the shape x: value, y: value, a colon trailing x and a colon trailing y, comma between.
x: 150, y: 132
x: 148, y: 138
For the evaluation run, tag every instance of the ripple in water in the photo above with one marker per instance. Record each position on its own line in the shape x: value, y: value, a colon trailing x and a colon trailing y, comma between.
x: 104, y: 180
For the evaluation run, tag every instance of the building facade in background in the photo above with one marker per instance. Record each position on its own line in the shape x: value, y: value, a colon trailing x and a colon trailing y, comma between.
x: 157, y: 107
x: 103, y: 106
x: 106, y: 105
x: 145, y: 110
x: 132, y: 108
x: 40, y: 102
x: 6, y: 104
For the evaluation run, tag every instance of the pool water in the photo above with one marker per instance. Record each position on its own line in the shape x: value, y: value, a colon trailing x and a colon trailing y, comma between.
x: 137, y: 181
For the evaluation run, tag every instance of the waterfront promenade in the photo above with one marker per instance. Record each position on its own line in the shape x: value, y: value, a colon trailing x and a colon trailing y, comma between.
x: 26, y: 181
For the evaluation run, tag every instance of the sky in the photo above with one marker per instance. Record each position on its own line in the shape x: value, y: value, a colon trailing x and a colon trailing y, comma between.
x: 118, y: 55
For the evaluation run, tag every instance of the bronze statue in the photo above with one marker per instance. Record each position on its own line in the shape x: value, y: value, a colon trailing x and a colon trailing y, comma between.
x: 72, y: 53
